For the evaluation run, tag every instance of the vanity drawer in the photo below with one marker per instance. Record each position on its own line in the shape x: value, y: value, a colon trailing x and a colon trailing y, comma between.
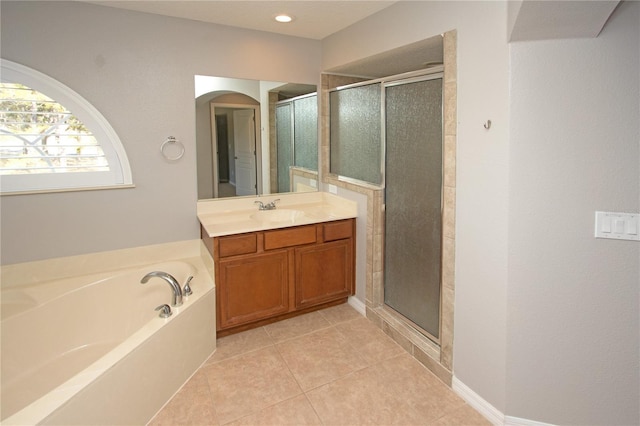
x: 337, y: 230
x: 237, y: 244
x: 289, y: 237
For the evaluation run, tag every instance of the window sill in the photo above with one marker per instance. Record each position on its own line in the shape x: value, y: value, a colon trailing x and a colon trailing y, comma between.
x: 49, y: 191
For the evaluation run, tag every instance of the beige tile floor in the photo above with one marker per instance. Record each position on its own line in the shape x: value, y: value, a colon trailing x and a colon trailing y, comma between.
x: 330, y: 367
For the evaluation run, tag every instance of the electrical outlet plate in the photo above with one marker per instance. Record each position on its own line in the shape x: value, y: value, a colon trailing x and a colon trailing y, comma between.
x: 618, y: 226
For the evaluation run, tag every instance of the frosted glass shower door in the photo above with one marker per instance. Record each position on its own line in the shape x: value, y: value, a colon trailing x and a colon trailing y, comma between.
x: 355, y: 135
x: 296, y: 137
x: 284, y: 144
x: 413, y: 200
x: 305, y: 134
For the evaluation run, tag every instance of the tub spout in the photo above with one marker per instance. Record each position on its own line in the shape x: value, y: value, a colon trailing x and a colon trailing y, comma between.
x: 176, y: 298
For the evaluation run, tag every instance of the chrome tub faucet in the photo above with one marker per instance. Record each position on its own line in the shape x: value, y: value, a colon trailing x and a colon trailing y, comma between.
x: 176, y: 298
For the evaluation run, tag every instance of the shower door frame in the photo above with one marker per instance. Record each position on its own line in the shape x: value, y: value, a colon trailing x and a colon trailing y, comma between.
x: 433, y: 73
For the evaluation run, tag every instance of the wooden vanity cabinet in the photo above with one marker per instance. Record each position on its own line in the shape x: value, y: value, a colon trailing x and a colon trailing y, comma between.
x: 324, y: 271
x: 252, y: 288
x: 269, y: 275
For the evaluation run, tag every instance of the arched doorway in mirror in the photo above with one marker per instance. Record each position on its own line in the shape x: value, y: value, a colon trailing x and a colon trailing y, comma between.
x: 230, y: 158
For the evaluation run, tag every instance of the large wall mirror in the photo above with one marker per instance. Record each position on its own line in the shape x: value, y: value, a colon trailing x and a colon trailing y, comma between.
x: 255, y: 137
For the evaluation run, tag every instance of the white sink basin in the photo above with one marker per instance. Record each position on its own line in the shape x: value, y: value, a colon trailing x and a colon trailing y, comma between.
x: 278, y: 215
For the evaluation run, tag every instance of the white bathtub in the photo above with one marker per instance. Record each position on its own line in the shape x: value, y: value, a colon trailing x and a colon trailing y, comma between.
x: 91, y: 349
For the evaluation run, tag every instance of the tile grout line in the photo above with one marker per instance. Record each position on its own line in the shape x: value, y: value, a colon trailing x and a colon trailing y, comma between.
x: 305, y: 392
x: 274, y: 344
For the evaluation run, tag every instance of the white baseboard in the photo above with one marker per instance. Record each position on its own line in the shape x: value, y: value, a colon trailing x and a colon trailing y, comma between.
x: 358, y: 305
x: 490, y: 412
x: 517, y: 421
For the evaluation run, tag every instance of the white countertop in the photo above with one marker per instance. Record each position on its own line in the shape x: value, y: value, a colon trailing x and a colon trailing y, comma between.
x: 228, y: 216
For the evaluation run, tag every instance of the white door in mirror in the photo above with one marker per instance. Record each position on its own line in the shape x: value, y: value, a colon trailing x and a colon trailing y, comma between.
x: 618, y: 226
x: 244, y: 136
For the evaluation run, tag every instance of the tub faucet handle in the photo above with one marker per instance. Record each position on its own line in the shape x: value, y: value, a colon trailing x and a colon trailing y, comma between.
x: 165, y: 311
x: 186, y: 291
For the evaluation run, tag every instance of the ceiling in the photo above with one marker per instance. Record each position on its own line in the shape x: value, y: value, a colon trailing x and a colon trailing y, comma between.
x: 545, y: 20
x: 312, y: 19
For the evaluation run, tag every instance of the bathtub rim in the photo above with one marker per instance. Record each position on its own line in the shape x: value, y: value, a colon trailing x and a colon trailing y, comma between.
x: 34, y: 272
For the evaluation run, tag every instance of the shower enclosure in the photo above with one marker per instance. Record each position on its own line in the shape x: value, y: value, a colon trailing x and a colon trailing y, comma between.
x: 388, y: 132
x: 296, y: 137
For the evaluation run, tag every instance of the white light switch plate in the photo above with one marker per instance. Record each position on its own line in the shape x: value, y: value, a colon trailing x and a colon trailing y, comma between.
x: 618, y: 226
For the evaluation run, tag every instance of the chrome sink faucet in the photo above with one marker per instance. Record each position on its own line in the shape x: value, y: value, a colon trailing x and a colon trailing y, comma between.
x: 176, y: 298
x: 268, y: 206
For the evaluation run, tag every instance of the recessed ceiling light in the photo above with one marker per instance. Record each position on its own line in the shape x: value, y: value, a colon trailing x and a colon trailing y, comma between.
x: 283, y: 18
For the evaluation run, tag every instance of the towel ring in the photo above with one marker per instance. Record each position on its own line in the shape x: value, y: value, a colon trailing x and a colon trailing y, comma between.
x: 170, y: 145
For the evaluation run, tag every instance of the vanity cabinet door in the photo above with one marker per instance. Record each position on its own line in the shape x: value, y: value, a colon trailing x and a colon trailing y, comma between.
x: 324, y: 272
x: 251, y: 288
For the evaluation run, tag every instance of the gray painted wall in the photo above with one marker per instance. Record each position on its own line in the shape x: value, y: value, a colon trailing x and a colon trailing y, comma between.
x: 138, y: 70
x: 573, y: 349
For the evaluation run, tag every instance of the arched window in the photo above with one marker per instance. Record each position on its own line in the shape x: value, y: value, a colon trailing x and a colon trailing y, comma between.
x: 52, y: 139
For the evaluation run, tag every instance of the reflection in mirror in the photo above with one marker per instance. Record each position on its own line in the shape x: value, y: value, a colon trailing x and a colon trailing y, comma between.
x: 296, y: 142
x: 242, y: 149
